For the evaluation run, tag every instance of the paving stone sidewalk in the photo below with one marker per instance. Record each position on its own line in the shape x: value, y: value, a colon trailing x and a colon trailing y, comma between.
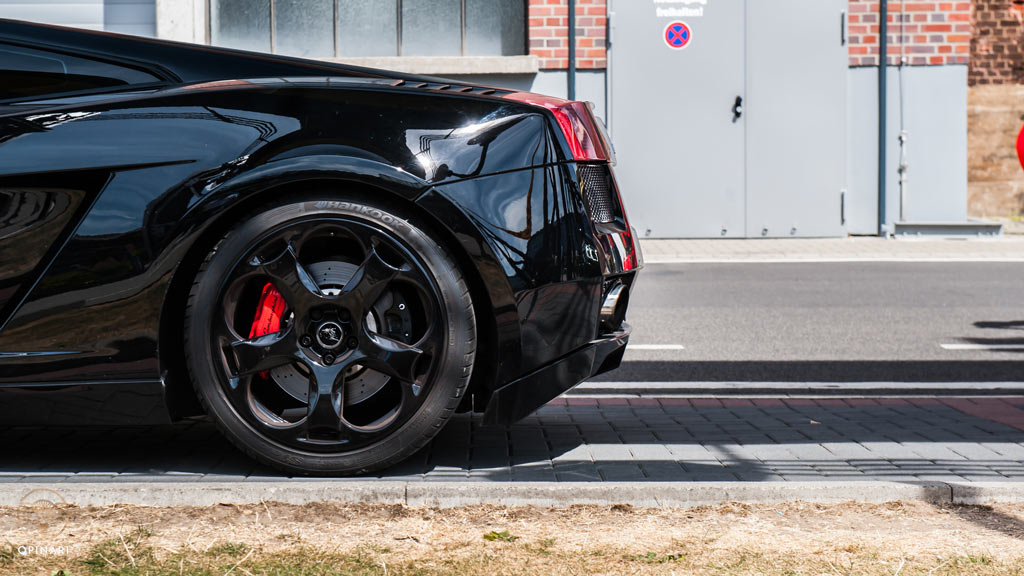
x: 853, y: 249
x: 602, y: 440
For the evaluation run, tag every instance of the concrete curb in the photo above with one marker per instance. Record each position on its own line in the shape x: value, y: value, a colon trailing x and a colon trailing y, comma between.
x: 987, y: 493
x: 790, y: 389
x: 668, y: 494
x: 178, y: 493
x: 450, y: 494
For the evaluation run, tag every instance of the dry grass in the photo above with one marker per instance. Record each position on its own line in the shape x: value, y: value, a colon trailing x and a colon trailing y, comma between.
x: 796, y: 538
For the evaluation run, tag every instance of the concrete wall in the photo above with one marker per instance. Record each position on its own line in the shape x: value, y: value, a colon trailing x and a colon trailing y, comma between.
x: 934, y: 101
x: 123, y: 16
x: 130, y: 17
x: 77, y: 13
x: 995, y: 186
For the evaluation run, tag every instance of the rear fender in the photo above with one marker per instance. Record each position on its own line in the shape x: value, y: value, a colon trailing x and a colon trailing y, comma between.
x: 214, y: 213
x: 290, y: 170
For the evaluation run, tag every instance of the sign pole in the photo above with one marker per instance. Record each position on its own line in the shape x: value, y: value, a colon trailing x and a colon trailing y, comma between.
x: 883, y: 65
x: 571, y: 73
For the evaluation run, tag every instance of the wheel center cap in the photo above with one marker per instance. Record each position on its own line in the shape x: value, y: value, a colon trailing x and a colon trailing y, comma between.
x: 330, y: 335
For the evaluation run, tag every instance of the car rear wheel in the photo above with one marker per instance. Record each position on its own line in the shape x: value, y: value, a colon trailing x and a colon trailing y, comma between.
x: 329, y: 337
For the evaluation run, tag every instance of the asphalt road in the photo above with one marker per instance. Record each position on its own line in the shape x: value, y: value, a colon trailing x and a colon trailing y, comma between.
x: 827, y: 322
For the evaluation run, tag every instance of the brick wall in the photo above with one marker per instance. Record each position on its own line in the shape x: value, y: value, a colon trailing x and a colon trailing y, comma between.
x: 548, y: 21
x: 934, y: 33
x: 996, y: 50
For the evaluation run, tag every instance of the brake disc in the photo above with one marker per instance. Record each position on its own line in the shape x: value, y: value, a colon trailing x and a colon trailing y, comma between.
x: 360, y: 383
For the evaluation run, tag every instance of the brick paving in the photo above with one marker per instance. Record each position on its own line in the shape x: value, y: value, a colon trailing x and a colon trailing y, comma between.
x: 603, y: 439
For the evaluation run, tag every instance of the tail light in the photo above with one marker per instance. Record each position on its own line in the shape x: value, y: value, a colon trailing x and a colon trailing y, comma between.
x: 592, y: 150
x: 604, y: 205
x: 585, y: 134
x: 631, y: 261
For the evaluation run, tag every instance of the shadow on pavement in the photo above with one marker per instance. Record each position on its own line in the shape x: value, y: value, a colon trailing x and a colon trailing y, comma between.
x: 989, y: 519
x: 1011, y: 345
x: 699, y: 440
x: 1000, y: 325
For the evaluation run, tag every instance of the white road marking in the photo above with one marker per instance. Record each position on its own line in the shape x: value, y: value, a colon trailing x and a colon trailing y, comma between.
x: 992, y: 347
x: 836, y: 260
x: 791, y: 386
x: 655, y: 347
x: 802, y: 395
x: 793, y: 389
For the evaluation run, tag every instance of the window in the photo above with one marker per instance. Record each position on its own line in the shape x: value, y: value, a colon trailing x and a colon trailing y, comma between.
x: 28, y: 73
x: 353, y: 28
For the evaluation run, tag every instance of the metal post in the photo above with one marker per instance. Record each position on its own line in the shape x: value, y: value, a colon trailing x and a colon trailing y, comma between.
x: 572, y: 51
x: 883, y: 64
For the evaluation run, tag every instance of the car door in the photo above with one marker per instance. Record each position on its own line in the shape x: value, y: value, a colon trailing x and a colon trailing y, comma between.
x: 37, y: 210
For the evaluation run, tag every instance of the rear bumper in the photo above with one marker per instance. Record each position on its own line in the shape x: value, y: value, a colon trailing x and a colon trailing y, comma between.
x: 519, y: 398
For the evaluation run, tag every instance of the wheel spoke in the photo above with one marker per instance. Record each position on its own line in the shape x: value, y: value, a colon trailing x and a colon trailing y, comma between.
x: 391, y: 357
x: 291, y: 279
x: 325, y: 406
x: 264, y: 352
x: 368, y: 283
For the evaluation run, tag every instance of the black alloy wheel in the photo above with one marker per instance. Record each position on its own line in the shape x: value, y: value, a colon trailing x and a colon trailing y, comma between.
x: 329, y: 337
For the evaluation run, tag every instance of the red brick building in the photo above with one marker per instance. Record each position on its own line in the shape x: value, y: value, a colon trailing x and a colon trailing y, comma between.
x: 921, y: 33
x: 549, y: 33
x: 942, y: 45
x: 997, y: 56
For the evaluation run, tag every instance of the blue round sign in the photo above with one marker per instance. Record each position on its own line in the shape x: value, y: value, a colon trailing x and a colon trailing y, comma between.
x: 677, y: 35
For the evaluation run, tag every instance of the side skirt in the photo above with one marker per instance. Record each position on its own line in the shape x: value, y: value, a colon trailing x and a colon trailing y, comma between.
x: 135, y: 402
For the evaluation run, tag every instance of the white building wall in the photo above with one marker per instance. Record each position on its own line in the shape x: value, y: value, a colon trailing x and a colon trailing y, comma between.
x: 123, y: 16
x: 130, y: 17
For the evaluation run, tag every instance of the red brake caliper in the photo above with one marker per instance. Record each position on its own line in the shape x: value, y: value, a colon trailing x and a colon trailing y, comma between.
x: 268, y: 314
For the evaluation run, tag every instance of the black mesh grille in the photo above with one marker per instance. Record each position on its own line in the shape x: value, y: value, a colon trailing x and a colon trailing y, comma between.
x: 596, y: 189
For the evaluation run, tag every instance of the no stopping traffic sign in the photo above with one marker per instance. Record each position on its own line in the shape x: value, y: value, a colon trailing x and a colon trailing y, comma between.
x: 677, y: 35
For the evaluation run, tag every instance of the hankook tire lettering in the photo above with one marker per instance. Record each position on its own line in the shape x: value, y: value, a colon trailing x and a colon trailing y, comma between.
x: 361, y: 209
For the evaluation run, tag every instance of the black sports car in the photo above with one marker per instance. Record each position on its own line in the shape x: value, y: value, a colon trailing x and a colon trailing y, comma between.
x: 328, y: 261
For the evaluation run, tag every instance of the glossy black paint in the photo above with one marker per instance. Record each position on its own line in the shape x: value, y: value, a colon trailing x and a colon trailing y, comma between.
x: 109, y: 201
x: 517, y: 399
x: 534, y: 224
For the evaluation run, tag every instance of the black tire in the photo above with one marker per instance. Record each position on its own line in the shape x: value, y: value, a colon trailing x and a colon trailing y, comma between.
x: 430, y: 374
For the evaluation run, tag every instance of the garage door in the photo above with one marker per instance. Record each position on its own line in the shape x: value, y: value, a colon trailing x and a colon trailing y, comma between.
x: 729, y: 116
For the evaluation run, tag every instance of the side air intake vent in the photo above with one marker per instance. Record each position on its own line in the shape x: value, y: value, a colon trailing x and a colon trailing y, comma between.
x: 596, y: 189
